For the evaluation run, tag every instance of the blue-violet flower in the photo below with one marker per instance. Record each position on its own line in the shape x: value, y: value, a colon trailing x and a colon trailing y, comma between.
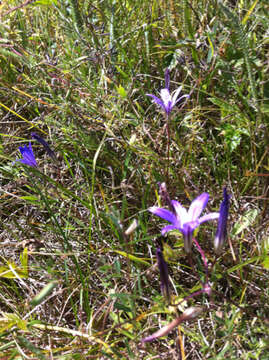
x: 185, y: 221
x: 168, y: 100
x: 28, y: 156
x: 221, y: 233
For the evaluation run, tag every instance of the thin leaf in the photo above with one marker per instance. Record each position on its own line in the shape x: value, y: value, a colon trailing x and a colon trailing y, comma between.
x: 132, y: 257
x: 244, y: 222
x: 38, y: 299
x: 250, y: 11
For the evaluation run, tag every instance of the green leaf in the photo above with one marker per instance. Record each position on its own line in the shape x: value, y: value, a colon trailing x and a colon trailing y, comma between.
x: 12, y: 319
x: 169, y: 252
x: 245, y: 263
x: 44, y: 293
x: 232, y: 135
x: 30, y: 198
x: 265, y: 262
x: 132, y: 257
x: 122, y: 72
x: 121, y: 91
x: 5, y: 324
x: 244, y: 222
x: 6, y: 272
x: 24, y: 261
x: 120, y: 306
x: 31, y: 347
x: 246, y: 17
x: 265, y: 108
x: 45, y: 2
x: 210, y: 54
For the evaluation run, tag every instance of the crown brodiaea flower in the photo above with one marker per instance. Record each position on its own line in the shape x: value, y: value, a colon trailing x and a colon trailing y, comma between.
x: 28, y: 156
x: 185, y: 221
x: 168, y: 100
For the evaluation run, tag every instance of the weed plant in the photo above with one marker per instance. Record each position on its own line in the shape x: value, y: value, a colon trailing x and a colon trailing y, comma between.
x: 79, y: 275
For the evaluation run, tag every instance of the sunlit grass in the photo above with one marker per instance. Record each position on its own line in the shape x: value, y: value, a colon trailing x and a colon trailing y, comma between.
x: 73, y: 284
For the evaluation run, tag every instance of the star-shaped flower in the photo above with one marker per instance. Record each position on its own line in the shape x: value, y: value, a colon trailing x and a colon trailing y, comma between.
x: 185, y: 221
x: 168, y: 100
x: 28, y: 156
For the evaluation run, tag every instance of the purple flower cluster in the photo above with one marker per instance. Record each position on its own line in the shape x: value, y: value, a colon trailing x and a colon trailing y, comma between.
x: 185, y: 221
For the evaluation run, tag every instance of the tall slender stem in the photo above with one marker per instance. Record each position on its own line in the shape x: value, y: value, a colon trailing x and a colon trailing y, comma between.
x: 168, y: 146
x: 203, y: 257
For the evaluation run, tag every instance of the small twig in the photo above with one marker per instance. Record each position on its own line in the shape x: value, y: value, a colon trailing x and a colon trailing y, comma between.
x: 180, y: 344
x: 19, y: 7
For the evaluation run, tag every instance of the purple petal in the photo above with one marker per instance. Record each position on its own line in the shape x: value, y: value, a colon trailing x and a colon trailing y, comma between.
x: 164, y: 330
x: 166, y: 99
x: 23, y: 161
x: 181, y: 97
x: 28, y: 155
x: 182, y: 214
x: 221, y: 233
x: 207, y: 217
x: 157, y: 101
x: 197, y: 206
x: 169, y: 228
x: 28, y: 162
x: 24, y: 149
x: 175, y: 95
x: 164, y: 214
x: 190, y: 227
x: 187, y: 232
x: 149, y: 338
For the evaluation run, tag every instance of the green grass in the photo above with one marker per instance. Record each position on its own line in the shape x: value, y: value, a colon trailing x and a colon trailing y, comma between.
x: 73, y: 285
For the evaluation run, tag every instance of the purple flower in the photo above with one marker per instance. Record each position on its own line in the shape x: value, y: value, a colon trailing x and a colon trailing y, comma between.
x: 28, y: 156
x: 44, y: 143
x: 167, y: 100
x: 162, y: 265
x: 221, y: 233
x: 183, y: 220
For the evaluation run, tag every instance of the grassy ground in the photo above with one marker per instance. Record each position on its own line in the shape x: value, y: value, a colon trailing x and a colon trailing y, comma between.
x: 73, y: 284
